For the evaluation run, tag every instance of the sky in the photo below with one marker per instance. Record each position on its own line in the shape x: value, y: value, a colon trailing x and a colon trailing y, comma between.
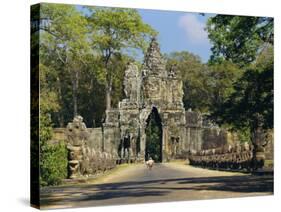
x: 180, y: 31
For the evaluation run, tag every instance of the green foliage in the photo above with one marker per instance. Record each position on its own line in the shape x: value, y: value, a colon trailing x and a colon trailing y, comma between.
x: 83, y: 61
x: 248, y: 43
x: 53, y: 158
x: 53, y: 164
x: 115, y: 30
x: 81, y: 57
x: 205, y: 87
x: 153, y: 139
x: 65, y: 45
x: 244, y: 135
x: 195, y: 78
x: 253, y: 96
x: 251, y: 102
x: 238, y: 38
x: 221, y: 80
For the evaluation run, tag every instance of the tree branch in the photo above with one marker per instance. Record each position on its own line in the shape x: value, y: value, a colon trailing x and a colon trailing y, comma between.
x: 60, y: 57
x: 49, y: 31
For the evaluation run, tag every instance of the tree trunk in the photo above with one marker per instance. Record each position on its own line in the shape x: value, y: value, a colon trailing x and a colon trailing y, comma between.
x: 108, y: 94
x: 60, y: 116
x: 74, y: 101
x: 75, y: 93
x: 108, y: 86
x: 108, y: 100
x: 258, y: 149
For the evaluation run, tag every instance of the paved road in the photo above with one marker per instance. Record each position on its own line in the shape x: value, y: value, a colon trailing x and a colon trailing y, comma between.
x: 165, y: 182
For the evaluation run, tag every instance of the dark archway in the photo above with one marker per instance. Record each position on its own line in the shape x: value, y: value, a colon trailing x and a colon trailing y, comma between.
x: 153, y: 131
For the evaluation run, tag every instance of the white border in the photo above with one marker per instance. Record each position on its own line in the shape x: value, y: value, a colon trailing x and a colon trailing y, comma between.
x: 14, y: 101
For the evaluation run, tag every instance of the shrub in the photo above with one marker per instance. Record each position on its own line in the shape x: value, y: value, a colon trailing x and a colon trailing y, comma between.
x: 53, y: 157
x: 53, y: 164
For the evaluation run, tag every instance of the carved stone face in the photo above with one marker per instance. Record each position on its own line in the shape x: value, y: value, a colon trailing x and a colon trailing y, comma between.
x: 131, y: 82
x: 76, y: 131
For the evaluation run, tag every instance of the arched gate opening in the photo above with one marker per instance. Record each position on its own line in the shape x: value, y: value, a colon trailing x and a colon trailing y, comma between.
x: 153, y: 131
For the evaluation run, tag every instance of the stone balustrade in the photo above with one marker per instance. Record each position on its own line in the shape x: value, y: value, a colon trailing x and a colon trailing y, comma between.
x: 83, y: 158
x: 227, y: 157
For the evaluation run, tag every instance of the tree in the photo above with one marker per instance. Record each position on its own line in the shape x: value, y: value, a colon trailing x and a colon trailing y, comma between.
x: 66, y: 38
x: 71, y: 47
x: 113, y: 31
x: 195, y: 78
x: 53, y: 158
x: 92, y: 89
x: 205, y: 87
x: 250, y: 106
x: 247, y: 42
x: 238, y: 39
x: 221, y: 79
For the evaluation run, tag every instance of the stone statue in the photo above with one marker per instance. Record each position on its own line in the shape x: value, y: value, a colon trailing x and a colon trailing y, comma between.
x: 76, y: 131
x: 172, y: 72
x: 76, y: 136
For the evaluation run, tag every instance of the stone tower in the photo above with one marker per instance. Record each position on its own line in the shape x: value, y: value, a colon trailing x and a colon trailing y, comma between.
x: 162, y: 89
x: 153, y: 88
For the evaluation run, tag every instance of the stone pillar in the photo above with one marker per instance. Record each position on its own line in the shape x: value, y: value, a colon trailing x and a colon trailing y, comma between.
x: 188, y: 145
x: 182, y: 147
x: 111, y: 131
x: 199, y: 138
x: 142, y: 143
x: 165, y: 140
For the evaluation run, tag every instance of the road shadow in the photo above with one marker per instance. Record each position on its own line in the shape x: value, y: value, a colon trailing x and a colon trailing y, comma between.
x: 85, y: 193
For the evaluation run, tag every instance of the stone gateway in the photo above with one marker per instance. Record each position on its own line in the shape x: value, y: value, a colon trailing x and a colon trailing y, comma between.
x: 151, y: 92
x: 153, y: 89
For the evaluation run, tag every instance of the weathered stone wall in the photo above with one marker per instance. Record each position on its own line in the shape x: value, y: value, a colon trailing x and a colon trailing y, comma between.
x: 193, y: 138
x: 213, y: 138
x: 193, y: 131
x: 95, y: 139
x: 201, y: 134
x: 86, y: 155
x: 111, y: 132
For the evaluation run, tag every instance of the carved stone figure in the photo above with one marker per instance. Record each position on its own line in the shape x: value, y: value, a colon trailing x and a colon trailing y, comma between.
x: 76, y: 132
x: 154, y: 62
x: 225, y: 157
x: 83, y: 160
x: 131, y: 83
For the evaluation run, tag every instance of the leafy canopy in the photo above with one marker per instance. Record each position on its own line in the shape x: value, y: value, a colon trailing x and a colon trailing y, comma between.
x: 117, y: 28
x: 238, y: 39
